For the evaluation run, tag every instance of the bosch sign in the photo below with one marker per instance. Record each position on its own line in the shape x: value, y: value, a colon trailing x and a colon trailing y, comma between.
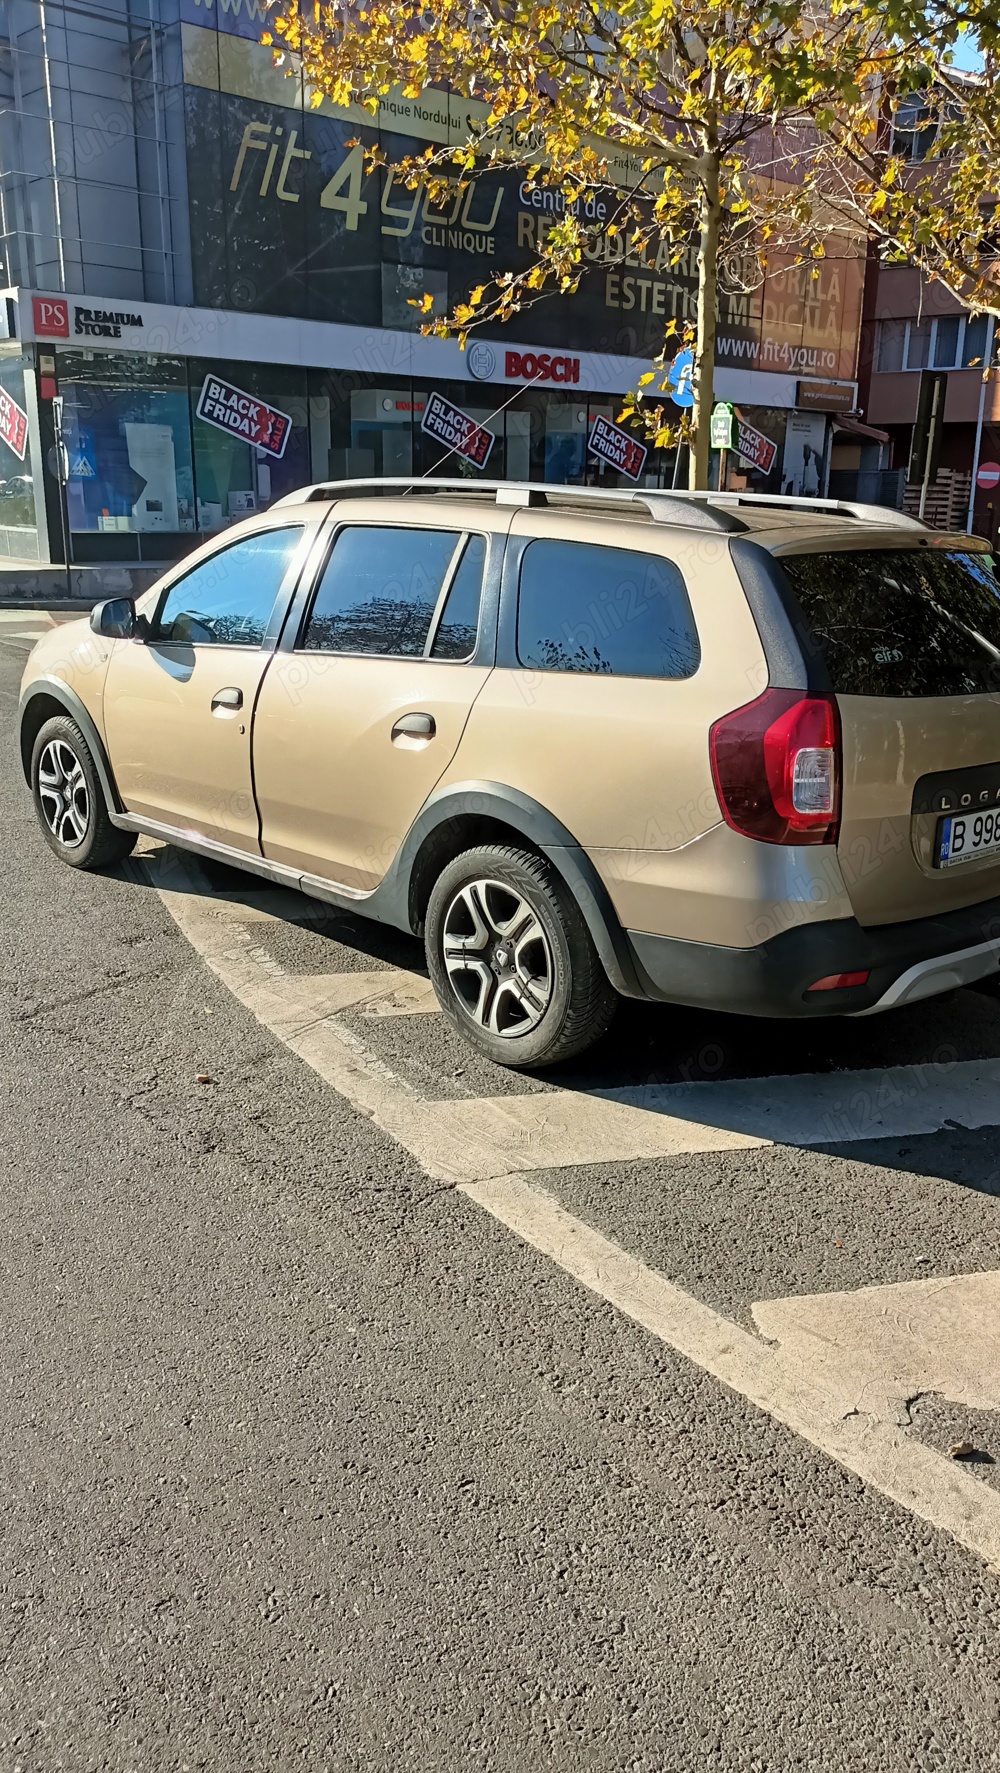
x: 541, y: 366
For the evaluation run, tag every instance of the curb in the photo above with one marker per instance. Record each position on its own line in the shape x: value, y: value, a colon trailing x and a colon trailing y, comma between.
x: 82, y: 605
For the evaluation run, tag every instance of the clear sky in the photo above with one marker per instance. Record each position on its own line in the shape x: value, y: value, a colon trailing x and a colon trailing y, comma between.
x: 967, y: 53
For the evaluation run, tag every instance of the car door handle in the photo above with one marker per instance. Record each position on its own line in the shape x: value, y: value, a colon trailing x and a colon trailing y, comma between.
x: 414, y: 726
x: 230, y: 699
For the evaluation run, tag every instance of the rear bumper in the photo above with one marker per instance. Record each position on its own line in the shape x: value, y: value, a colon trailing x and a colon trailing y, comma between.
x: 906, y: 962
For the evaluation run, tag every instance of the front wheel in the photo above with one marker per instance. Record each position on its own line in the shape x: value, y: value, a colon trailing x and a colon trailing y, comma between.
x: 69, y: 799
x: 512, y: 961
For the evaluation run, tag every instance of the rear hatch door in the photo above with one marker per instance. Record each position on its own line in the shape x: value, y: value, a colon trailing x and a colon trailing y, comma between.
x: 907, y: 636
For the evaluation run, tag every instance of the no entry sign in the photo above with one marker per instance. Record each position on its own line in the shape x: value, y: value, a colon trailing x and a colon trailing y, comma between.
x: 243, y: 415
x: 13, y: 425
x: 448, y: 424
x: 988, y: 476
x: 614, y: 445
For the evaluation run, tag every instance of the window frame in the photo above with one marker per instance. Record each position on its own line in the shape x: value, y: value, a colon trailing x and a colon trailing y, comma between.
x: 282, y: 599
x: 462, y: 537
x: 910, y: 324
x: 619, y: 546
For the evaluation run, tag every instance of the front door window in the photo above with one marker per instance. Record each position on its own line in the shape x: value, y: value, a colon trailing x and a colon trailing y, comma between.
x: 228, y: 598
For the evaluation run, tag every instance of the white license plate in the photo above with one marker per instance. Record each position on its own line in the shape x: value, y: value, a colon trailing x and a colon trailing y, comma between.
x: 967, y: 836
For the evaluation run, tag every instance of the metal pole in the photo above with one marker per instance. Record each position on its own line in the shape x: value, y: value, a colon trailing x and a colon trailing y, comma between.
x: 932, y: 431
x: 62, y: 475
x: 977, y: 450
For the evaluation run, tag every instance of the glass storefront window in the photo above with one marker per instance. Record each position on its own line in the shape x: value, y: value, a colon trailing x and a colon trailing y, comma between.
x: 381, y: 434
x: 233, y: 475
x: 363, y: 425
x: 18, y: 532
x: 129, y: 443
x: 480, y: 402
x: 566, y: 434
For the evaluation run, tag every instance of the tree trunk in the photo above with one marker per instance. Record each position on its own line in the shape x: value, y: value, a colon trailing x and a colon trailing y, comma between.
x: 708, y: 282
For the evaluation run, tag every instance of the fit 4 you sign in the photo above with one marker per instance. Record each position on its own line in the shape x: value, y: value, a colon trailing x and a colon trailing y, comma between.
x: 243, y: 415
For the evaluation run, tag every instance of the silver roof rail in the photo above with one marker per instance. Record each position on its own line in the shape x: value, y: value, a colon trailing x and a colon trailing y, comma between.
x: 886, y: 515
x: 663, y: 507
x: 675, y: 505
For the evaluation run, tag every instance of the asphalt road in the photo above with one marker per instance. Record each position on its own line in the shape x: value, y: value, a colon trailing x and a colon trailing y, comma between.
x: 306, y: 1462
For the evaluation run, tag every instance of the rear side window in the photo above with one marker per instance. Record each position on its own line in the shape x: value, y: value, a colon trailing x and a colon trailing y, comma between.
x: 456, y: 632
x: 902, y: 622
x: 380, y: 588
x: 607, y: 611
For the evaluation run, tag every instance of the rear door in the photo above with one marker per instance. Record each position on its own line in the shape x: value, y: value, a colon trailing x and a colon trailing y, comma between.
x: 910, y: 639
x: 367, y: 698
x: 619, y: 643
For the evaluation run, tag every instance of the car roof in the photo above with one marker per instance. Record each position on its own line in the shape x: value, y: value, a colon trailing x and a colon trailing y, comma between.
x: 778, y: 522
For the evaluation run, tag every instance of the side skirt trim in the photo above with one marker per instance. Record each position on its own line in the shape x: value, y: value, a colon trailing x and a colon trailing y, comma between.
x: 278, y: 873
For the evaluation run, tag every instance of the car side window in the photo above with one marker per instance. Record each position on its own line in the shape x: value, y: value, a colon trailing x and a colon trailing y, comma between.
x: 379, y: 591
x: 459, y: 625
x: 227, y: 599
x: 607, y: 611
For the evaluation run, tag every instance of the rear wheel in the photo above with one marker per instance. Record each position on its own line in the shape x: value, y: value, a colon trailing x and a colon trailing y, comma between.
x: 69, y: 799
x: 512, y: 961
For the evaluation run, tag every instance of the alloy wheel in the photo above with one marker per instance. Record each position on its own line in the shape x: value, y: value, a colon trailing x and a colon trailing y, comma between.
x: 63, y: 793
x: 498, y: 958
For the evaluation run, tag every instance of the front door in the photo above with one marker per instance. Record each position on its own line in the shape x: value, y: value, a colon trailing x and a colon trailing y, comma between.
x: 178, y: 706
x: 358, y: 721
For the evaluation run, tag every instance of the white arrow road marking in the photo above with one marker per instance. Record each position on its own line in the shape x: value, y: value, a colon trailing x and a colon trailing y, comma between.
x: 837, y: 1367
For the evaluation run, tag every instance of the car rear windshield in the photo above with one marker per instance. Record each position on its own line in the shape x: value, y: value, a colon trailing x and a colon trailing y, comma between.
x: 902, y: 622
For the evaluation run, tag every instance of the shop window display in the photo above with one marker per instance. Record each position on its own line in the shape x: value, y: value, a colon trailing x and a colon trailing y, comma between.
x: 129, y: 444
x: 234, y: 476
x: 18, y: 535
x: 144, y: 464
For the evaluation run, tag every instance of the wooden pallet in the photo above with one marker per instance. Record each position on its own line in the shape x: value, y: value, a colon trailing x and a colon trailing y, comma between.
x: 947, y: 504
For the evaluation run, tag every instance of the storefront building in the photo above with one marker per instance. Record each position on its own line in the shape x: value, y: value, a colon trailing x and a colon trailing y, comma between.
x: 278, y: 340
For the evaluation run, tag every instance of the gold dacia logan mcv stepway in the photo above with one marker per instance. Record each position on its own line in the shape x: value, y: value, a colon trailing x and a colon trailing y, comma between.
x: 731, y: 751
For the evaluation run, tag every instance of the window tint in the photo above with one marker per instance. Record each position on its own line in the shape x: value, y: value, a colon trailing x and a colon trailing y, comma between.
x: 456, y: 635
x: 379, y: 589
x: 604, y: 610
x: 901, y: 622
x: 226, y: 601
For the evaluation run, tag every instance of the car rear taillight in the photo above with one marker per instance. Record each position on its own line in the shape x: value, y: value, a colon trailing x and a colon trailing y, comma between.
x: 776, y: 765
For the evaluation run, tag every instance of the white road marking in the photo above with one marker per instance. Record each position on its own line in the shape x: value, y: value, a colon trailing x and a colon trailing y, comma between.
x: 20, y: 624
x: 880, y: 1346
x: 825, y: 1401
x: 831, y: 1108
x: 553, y: 1128
x: 915, y: 1476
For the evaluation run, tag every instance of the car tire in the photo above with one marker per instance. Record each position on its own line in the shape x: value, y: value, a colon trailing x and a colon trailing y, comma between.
x: 512, y: 961
x: 69, y: 799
